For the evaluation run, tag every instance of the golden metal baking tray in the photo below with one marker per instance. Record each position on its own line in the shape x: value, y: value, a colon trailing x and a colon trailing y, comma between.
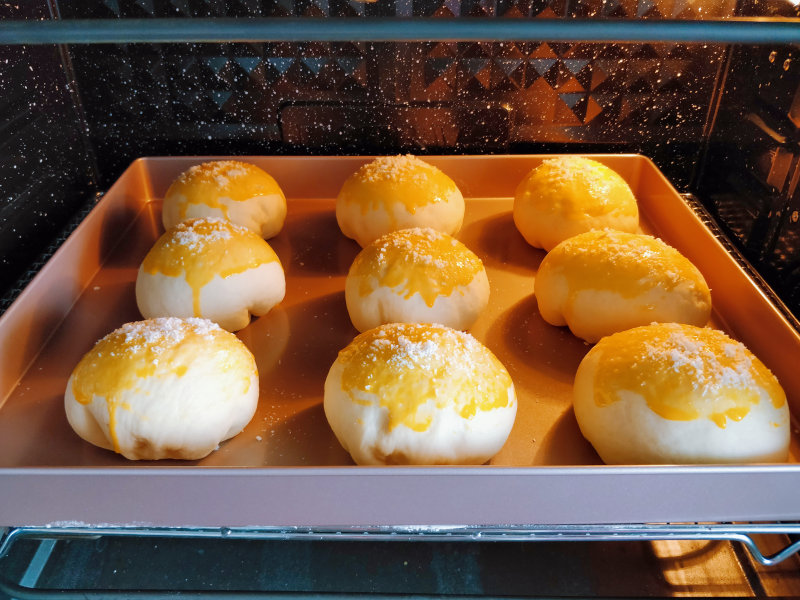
x: 286, y: 468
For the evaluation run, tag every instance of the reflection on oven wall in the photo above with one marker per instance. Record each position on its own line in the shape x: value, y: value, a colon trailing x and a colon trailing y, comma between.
x: 331, y: 98
x: 393, y: 97
x: 750, y: 178
x: 680, y: 104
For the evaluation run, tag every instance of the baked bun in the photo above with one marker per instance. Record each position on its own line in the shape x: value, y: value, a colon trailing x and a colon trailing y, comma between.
x: 163, y: 388
x: 230, y: 189
x: 602, y: 282
x: 419, y: 394
x: 397, y: 192
x: 416, y: 276
x: 670, y: 393
x: 213, y: 269
x: 568, y: 195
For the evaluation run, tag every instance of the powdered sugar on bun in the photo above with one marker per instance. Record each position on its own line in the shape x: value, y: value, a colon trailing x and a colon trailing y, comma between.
x: 416, y: 275
x: 569, y: 195
x: 213, y: 269
x: 671, y: 393
x: 397, y: 192
x: 234, y: 190
x: 419, y: 394
x: 602, y: 282
x: 163, y: 388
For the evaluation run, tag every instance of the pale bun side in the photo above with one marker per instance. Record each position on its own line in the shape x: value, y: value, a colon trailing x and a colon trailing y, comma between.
x: 594, y: 314
x: 569, y: 195
x: 678, y: 394
x: 602, y: 282
x: 230, y: 302
x: 213, y: 269
x: 398, y: 192
x: 363, y: 431
x: 234, y: 190
x: 416, y: 275
x: 366, y: 227
x: 460, y: 411
x: 458, y: 310
x: 163, y: 388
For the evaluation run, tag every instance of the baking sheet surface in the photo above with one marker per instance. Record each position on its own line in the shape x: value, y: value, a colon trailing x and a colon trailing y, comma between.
x: 296, y: 343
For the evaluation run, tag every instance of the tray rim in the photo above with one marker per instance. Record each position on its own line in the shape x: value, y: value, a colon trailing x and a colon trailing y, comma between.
x: 322, y: 496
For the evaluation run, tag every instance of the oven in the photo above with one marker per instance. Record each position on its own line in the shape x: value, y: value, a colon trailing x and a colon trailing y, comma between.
x: 105, y: 102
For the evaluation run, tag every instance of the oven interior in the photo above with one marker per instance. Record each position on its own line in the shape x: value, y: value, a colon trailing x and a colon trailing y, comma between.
x: 721, y: 120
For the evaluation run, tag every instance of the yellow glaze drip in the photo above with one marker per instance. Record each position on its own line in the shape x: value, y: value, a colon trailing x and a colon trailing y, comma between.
x: 154, y: 348
x: 417, y: 261
x: 209, y: 182
x: 576, y: 188
x: 629, y: 264
x: 200, y: 249
x: 414, y: 369
x: 396, y: 181
x: 683, y: 373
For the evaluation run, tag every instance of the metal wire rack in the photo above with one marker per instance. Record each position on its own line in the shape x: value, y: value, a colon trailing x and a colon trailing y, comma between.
x: 741, y: 533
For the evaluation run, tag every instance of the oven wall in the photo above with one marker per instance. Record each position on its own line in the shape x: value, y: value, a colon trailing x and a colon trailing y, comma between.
x: 46, y: 166
x: 750, y: 173
x: 356, y: 98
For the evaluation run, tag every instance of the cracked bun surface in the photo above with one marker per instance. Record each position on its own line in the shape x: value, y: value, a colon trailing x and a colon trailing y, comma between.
x: 602, y: 282
x: 419, y: 394
x: 677, y: 394
x: 568, y: 195
x: 163, y: 388
x: 213, y: 269
x: 234, y: 190
x: 398, y: 192
x: 416, y: 276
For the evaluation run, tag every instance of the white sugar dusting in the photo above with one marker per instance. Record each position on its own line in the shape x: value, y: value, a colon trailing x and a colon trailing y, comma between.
x: 220, y: 172
x: 393, y: 168
x: 196, y: 234
x: 439, y: 346
x: 566, y: 168
x: 731, y: 350
x: 617, y: 248
x: 163, y: 333
x: 708, y: 371
x: 202, y: 326
x: 620, y: 244
x: 417, y: 244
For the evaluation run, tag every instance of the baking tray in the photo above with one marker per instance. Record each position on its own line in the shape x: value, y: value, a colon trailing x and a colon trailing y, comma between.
x: 286, y: 468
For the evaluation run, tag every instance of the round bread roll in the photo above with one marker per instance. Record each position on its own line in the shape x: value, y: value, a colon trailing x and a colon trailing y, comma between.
x: 230, y: 189
x: 601, y: 282
x: 213, y: 269
x: 397, y: 192
x: 416, y: 276
x: 670, y: 393
x: 163, y: 388
x: 419, y: 394
x: 568, y: 195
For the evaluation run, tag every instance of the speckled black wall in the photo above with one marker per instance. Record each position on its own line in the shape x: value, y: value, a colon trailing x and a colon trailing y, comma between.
x: 46, y: 170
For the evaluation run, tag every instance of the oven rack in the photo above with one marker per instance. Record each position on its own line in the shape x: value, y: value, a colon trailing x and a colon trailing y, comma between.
x: 741, y: 30
x: 615, y: 532
x: 47, y: 536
